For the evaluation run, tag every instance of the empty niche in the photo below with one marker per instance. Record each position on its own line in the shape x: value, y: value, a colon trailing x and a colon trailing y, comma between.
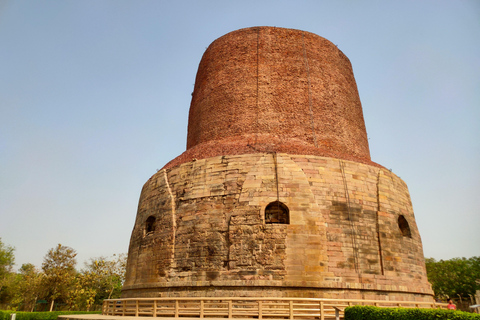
x: 277, y: 212
x: 404, y: 227
x: 150, y: 225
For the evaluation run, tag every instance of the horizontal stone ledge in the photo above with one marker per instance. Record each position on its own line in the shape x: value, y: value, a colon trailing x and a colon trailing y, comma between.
x: 278, y: 285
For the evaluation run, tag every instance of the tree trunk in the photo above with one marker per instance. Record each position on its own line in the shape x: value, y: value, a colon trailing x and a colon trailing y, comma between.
x: 51, y: 305
x: 34, y: 304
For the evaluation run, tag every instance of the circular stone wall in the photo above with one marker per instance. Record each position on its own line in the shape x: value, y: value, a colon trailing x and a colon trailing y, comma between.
x: 211, y: 235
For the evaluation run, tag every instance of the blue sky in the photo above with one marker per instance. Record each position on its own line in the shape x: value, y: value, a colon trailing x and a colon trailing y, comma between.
x: 94, y: 98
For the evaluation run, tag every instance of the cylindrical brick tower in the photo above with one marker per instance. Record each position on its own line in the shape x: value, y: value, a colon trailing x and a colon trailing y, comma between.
x: 276, y: 194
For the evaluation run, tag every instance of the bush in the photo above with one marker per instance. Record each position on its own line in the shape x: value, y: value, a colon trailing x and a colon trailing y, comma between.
x: 376, y: 313
x: 5, y: 315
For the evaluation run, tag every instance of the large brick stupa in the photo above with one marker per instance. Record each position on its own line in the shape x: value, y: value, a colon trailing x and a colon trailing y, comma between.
x: 276, y: 194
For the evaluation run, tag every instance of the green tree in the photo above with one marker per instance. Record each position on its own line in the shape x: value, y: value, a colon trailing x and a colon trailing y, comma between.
x: 101, y: 279
x: 111, y: 273
x: 59, y: 273
x: 82, y: 296
x: 29, y: 287
x: 7, y: 260
x: 7, y: 276
x: 450, y: 278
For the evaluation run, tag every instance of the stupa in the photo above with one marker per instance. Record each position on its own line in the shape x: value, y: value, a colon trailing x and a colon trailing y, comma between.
x: 276, y: 194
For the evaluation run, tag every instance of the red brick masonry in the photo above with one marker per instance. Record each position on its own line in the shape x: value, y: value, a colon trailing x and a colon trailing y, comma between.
x: 270, y: 89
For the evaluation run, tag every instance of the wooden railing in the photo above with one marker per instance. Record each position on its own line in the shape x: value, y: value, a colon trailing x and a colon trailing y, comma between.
x: 260, y: 308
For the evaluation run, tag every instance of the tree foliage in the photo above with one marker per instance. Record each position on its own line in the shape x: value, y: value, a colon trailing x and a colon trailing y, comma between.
x: 58, y: 282
x: 110, y: 275
x: 7, y: 260
x: 29, y: 286
x: 101, y: 279
x: 454, y: 277
x: 59, y: 269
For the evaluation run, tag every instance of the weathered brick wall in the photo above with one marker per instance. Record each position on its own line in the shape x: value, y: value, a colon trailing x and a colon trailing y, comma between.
x: 275, y: 89
x: 210, y: 237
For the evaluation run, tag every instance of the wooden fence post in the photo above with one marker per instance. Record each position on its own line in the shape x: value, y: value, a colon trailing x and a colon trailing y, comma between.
x: 259, y: 309
x: 163, y: 306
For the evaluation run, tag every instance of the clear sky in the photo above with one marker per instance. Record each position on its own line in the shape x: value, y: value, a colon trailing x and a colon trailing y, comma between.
x: 94, y: 98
